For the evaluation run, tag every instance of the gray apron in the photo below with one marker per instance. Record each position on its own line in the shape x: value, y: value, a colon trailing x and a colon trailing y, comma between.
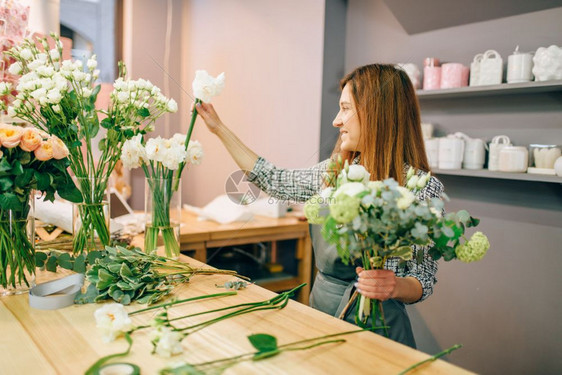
x: 333, y: 288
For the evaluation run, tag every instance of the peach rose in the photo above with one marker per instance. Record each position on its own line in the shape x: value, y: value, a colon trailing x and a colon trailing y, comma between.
x: 10, y: 135
x: 45, y: 151
x: 60, y: 151
x: 30, y: 140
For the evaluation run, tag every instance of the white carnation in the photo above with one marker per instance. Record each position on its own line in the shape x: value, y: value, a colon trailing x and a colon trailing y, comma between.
x: 206, y: 86
x: 155, y: 148
x: 179, y: 139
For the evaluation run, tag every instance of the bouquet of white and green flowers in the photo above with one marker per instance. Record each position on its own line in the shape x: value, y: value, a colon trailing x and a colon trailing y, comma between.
x: 58, y: 96
x: 372, y: 221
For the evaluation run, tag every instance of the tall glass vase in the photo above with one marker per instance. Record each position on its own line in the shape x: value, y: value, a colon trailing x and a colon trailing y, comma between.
x: 91, y: 217
x: 17, y: 253
x: 163, y: 216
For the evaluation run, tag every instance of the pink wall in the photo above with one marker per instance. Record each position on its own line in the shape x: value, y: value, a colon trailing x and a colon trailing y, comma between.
x: 271, y: 53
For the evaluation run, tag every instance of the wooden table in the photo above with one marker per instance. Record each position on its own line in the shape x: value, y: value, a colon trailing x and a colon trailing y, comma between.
x: 199, y: 236
x: 66, y: 341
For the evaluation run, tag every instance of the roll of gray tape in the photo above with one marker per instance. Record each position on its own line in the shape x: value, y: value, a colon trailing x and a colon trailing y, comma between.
x: 56, y: 294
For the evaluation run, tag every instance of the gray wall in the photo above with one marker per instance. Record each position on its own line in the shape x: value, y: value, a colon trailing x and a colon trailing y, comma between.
x: 505, y: 309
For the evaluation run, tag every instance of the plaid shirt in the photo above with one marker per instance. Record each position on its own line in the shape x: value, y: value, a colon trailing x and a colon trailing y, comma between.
x: 301, y: 184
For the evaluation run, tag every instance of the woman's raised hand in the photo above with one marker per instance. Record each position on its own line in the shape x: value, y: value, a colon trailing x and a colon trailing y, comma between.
x: 209, y: 115
x: 376, y: 284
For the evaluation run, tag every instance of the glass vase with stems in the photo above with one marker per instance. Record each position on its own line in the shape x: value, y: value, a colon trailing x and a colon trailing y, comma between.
x: 91, y: 217
x: 163, y: 213
x: 17, y: 253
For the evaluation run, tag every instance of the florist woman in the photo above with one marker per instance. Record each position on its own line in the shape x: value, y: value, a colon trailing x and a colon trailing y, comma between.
x: 379, y: 124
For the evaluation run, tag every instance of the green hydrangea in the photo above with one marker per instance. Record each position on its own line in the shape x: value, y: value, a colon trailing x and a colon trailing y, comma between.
x: 345, y: 208
x: 312, y: 210
x: 474, y: 249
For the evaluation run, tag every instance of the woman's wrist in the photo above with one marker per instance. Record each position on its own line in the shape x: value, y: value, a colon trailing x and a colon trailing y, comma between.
x: 408, y: 289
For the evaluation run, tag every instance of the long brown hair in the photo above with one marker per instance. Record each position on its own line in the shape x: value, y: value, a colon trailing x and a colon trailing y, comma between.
x: 389, y: 118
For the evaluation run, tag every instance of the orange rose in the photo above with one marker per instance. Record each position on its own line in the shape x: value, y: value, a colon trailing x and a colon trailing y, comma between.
x: 10, y: 136
x: 30, y: 140
x: 60, y: 151
x: 45, y: 151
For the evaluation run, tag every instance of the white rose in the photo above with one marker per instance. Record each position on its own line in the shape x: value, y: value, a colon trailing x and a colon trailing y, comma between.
x: 15, y: 68
x: 119, y: 84
x: 5, y: 88
x: 326, y: 193
x: 26, y: 54
x: 42, y: 57
x: 86, y: 92
x: 205, y: 86
x: 92, y: 63
x: 172, y: 106
x: 167, y: 342
x: 96, y: 73
x: 424, y: 180
x: 195, y: 152
x: 112, y: 320
x: 54, y: 96
x: 55, y: 55
x: 412, y: 182
x: 122, y: 96
x: 351, y: 189
x: 406, y: 199
x: 357, y: 173
x: 56, y: 108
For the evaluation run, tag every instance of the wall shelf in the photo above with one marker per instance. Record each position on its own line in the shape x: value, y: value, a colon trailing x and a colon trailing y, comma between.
x: 484, y: 173
x: 492, y: 90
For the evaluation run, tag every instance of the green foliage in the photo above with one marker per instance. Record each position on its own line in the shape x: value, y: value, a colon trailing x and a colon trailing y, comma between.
x: 51, y: 260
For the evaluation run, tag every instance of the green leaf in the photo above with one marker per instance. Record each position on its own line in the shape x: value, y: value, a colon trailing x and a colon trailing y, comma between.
x: 5, y: 165
x: 107, y: 123
x: 6, y: 183
x: 105, y: 279
x: 185, y: 369
x: 43, y: 180
x: 40, y: 258
x: 463, y: 216
x: 264, y: 355
x: 25, y: 157
x: 447, y: 231
x: 473, y: 222
x: 79, y: 264
x: 144, y: 112
x: 24, y: 179
x: 263, y: 342
x: 89, y: 297
x: 70, y: 192
x: 93, y: 255
x: 52, y: 264
x: 95, y: 93
x: 9, y: 201
x: 403, y: 252
x: 64, y: 261
x: 17, y: 169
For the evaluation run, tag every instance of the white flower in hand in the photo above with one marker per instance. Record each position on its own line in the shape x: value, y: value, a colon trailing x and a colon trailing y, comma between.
x: 195, y: 153
x: 205, y: 86
x: 166, y: 341
x: 113, y: 321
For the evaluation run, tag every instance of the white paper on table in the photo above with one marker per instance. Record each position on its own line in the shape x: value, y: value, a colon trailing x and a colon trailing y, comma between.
x: 222, y: 210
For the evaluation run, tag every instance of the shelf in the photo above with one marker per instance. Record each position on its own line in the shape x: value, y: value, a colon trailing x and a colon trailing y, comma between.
x: 484, y: 173
x: 492, y: 90
x: 279, y: 282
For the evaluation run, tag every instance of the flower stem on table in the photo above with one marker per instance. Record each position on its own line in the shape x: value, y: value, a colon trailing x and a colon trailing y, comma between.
x: 432, y: 358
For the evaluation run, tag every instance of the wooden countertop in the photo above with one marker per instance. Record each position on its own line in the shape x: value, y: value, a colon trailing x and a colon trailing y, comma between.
x: 66, y: 341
